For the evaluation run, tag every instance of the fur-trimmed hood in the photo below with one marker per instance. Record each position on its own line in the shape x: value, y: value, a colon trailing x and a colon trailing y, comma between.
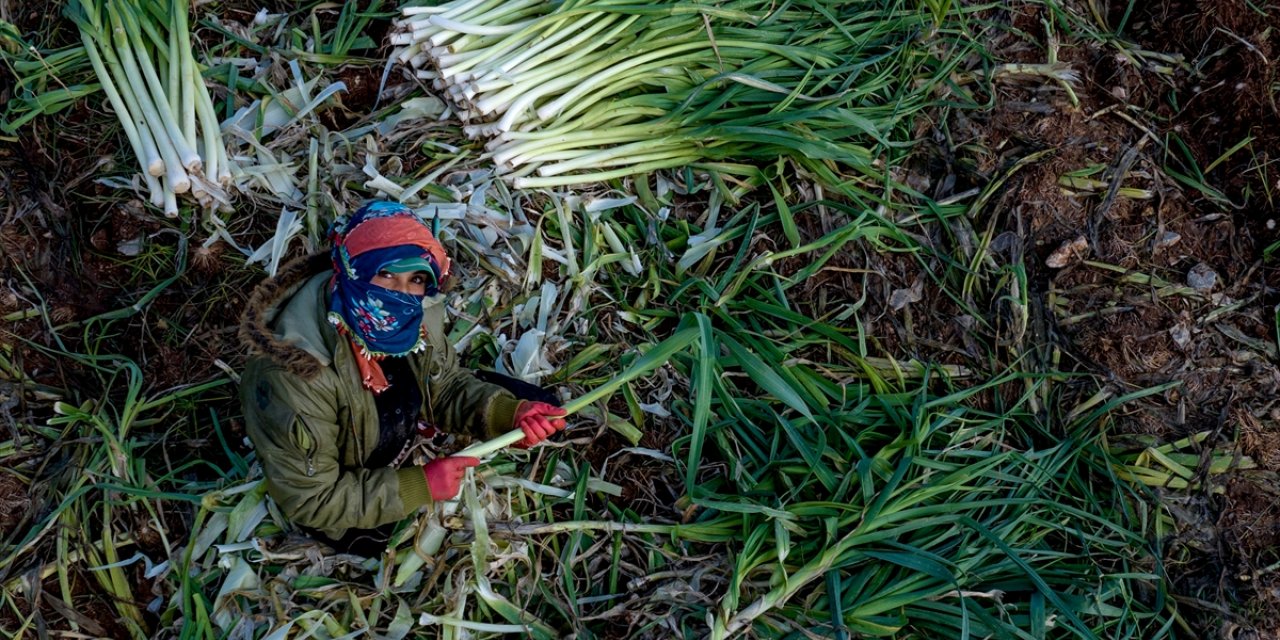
x: 284, y: 319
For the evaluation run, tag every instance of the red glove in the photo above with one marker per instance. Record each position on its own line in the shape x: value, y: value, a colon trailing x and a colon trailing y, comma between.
x: 444, y: 475
x: 538, y: 420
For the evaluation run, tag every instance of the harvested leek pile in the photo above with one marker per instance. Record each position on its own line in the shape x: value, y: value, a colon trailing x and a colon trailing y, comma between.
x: 141, y: 52
x: 574, y: 92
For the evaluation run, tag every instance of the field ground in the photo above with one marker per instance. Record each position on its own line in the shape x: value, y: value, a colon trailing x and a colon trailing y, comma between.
x: 1127, y: 169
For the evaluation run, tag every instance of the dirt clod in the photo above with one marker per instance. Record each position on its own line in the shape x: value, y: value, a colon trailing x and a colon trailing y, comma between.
x: 1202, y: 277
x: 1070, y: 251
x: 15, y: 502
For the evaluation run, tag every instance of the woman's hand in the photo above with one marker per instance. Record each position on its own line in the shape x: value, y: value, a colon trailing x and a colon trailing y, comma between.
x: 444, y: 475
x: 538, y: 420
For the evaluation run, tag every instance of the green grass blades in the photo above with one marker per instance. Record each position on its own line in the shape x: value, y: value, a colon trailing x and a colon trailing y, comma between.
x: 93, y: 517
x: 760, y: 465
x: 46, y: 82
x: 954, y: 534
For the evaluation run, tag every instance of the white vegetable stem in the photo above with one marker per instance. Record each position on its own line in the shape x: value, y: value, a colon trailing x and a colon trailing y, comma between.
x: 170, y: 200
x: 143, y: 146
x: 143, y: 56
x: 173, y: 166
x: 190, y: 89
x: 489, y: 447
x: 476, y: 29
x: 175, y: 75
x: 189, y: 158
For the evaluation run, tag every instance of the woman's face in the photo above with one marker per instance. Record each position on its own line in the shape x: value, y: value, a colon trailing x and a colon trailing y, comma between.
x: 413, y: 283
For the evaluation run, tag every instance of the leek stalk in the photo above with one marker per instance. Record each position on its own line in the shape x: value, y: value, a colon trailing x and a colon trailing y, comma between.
x: 173, y: 169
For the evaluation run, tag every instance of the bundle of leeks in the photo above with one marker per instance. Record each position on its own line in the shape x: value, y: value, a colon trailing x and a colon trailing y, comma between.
x: 581, y: 91
x: 141, y: 53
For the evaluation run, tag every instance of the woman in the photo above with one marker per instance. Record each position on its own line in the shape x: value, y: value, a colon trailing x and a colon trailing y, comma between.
x: 350, y: 360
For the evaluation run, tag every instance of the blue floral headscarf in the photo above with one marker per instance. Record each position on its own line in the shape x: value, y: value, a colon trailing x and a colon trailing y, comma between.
x: 381, y: 322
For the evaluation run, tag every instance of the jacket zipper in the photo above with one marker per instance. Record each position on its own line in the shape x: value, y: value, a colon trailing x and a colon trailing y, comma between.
x: 311, y: 448
x: 425, y: 375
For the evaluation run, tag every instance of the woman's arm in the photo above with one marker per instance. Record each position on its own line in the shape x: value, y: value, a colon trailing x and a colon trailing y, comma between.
x: 456, y: 399
x: 293, y: 424
x: 461, y: 402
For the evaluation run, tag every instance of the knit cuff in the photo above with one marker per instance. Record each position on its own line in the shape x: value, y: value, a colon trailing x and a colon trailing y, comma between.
x: 502, y: 414
x: 414, y: 492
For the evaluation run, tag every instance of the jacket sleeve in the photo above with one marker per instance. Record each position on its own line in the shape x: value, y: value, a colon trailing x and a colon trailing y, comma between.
x: 294, y: 425
x: 458, y: 401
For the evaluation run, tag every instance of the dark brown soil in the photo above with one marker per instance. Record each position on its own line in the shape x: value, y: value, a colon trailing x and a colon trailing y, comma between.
x: 14, y: 503
x: 1132, y: 314
x: 1224, y: 94
x: 66, y: 244
x: 1124, y: 309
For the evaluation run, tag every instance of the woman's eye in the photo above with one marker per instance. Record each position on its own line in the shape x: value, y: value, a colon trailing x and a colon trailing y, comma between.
x: 384, y: 274
x: 419, y: 280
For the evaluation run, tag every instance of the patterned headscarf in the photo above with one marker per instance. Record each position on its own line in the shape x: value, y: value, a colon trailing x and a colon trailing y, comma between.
x: 381, y: 322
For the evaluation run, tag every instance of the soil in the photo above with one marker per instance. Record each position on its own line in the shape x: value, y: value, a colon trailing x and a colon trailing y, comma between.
x: 95, y: 615
x: 1166, y: 283
x: 1172, y: 286
x: 1230, y: 48
x: 14, y: 503
x: 187, y: 328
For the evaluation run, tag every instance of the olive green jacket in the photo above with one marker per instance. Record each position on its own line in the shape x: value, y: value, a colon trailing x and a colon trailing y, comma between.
x: 312, y: 421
